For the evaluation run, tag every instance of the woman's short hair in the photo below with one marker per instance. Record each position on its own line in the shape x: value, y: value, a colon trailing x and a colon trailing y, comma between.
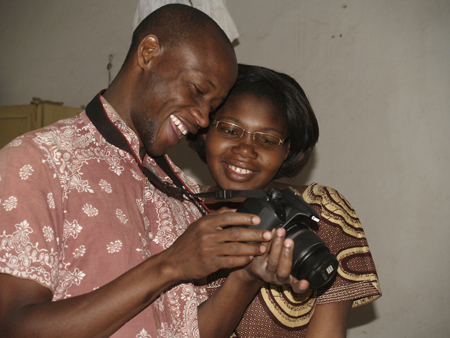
x: 288, y: 97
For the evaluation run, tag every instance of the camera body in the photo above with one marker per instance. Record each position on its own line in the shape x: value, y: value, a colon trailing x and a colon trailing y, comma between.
x: 285, y: 208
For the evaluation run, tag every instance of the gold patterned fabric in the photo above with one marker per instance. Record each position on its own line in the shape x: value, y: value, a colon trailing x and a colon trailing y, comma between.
x: 278, y: 312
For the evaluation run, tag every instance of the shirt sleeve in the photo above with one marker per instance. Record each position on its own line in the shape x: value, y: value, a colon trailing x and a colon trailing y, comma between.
x: 339, y: 227
x: 29, y: 195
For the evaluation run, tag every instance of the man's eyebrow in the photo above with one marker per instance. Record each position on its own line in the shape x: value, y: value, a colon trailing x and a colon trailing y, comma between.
x: 209, y: 81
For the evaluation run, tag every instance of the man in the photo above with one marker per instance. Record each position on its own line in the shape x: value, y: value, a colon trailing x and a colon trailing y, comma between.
x: 89, y: 247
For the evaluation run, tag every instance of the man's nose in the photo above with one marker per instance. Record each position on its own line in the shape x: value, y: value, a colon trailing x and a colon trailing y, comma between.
x: 201, y: 115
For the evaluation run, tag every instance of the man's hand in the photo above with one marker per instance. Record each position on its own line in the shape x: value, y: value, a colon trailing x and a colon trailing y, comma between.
x: 214, y: 242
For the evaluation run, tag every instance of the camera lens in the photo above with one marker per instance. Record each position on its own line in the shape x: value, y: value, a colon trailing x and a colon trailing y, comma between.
x: 312, y: 259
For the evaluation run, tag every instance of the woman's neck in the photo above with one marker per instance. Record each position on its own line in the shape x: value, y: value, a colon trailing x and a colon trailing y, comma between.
x: 214, y: 204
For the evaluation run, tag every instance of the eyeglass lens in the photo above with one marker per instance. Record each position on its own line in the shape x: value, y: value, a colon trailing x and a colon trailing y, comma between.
x: 232, y: 131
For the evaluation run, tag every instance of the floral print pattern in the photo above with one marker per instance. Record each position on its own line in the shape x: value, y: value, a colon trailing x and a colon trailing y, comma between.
x: 77, y: 213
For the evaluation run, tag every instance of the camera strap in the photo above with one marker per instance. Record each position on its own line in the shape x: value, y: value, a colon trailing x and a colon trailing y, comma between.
x: 97, y: 115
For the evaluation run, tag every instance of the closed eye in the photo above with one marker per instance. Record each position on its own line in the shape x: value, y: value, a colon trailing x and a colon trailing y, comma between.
x: 199, y: 91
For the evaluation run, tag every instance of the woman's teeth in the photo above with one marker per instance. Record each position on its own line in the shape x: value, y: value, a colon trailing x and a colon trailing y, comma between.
x: 238, y: 170
x: 179, y: 125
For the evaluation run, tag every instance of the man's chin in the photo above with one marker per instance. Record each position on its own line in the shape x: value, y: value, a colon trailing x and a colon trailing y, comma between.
x: 153, y: 148
x: 154, y: 151
x: 156, y: 154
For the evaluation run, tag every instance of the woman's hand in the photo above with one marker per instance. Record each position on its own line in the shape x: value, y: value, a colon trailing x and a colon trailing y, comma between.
x: 275, y: 265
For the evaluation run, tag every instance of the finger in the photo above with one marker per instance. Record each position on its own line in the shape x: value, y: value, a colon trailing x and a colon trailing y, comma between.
x: 239, y: 249
x: 230, y: 262
x: 285, y: 263
x: 265, y: 247
x: 223, y: 210
x: 239, y: 234
x: 226, y: 218
x: 299, y: 286
x: 275, y: 250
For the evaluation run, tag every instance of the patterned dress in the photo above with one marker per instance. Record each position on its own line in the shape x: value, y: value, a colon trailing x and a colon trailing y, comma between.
x: 76, y: 212
x: 278, y: 312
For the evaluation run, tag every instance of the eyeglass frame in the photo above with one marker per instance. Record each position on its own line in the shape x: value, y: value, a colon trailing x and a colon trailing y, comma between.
x: 281, y: 141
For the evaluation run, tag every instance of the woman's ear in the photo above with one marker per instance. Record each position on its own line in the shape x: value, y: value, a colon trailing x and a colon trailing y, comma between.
x: 147, y: 50
x: 287, y: 151
x: 300, y: 158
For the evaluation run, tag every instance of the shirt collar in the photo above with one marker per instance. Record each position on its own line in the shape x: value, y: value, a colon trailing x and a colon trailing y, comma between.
x: 115, y: 118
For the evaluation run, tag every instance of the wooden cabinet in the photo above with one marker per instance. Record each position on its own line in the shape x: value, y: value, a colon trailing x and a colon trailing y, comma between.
x: 17, y: 120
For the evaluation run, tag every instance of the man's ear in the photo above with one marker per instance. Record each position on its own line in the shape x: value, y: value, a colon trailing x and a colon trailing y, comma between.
x: 147, y: 50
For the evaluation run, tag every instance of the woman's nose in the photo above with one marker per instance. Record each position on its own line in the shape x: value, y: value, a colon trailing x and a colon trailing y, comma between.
x: 245, y: 147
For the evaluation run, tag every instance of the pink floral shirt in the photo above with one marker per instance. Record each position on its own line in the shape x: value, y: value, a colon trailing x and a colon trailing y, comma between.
x: 76, y: 212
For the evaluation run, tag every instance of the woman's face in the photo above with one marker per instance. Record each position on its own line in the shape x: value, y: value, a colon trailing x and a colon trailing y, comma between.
x: 239, y: 164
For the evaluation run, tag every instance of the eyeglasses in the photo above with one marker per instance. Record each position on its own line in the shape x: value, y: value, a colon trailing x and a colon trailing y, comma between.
x: 235, y: 132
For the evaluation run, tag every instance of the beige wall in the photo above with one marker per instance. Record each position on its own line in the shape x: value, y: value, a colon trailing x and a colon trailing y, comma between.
x: 377, y: 74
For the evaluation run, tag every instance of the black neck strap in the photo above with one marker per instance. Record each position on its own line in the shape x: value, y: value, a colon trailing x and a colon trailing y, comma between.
x: 96, y: 113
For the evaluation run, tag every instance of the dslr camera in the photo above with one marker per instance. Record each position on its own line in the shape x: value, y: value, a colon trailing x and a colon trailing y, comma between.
x: 287, y: 209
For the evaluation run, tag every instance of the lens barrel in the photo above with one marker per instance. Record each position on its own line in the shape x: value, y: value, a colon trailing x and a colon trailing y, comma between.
x: 312, y: 259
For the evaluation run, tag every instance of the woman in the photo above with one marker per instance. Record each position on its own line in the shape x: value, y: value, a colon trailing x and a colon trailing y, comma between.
x: 266, y: 130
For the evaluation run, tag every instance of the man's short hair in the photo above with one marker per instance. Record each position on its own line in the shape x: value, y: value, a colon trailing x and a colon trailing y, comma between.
x: 174, y: 24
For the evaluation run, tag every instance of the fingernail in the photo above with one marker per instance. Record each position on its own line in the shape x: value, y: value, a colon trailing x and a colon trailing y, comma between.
x: 288, y: 243
x: 256, y: 220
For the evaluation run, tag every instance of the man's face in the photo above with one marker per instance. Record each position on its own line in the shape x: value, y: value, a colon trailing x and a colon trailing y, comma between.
x: 174, y: 97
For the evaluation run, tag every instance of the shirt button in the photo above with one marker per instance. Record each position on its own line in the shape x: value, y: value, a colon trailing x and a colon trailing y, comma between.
x: 150, y: 235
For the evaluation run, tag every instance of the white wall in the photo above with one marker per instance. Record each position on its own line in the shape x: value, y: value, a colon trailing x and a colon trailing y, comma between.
x: 58, y: 50
x: 377, y: 74
x: 381, y: 92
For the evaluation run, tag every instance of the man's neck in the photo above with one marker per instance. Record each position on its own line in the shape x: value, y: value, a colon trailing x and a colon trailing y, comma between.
x: 119, y: 99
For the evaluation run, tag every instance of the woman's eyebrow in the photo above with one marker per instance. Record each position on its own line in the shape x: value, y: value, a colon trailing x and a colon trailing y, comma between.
x: 241, y: 123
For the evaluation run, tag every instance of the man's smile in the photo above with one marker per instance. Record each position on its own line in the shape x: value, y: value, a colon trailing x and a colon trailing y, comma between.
x: 180, y: 127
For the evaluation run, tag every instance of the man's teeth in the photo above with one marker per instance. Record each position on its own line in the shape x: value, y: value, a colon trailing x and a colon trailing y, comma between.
x: 179, y: 125
x: 240, y: 170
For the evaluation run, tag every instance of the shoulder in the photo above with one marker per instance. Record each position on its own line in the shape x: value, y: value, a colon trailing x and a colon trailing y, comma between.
x: 44, y: 147
x: 318, y: 194
x: 334, y: 209
x: 22, y: 149
x: 52, y: 135
x: 324, y: 196
x: 282, y: 185
x: 312, y: 192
